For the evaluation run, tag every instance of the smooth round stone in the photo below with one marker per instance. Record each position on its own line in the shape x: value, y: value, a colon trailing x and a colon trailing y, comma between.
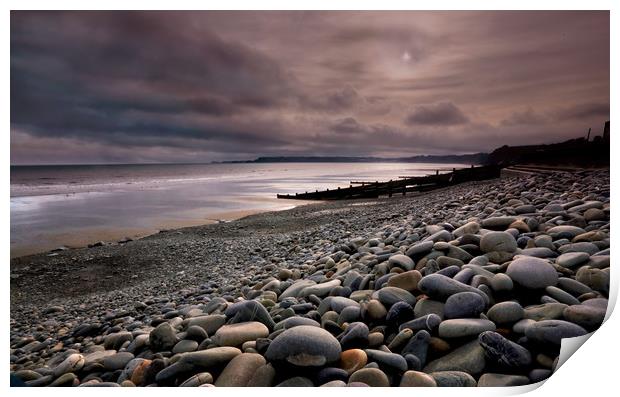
x: 573, y: 286
x: 596, y: 279
x: 349, y: 314
x: 468, y: 228
x: 237, y: 334
x: 353, y: 359
x: 502, y: 380
x: 520, y: 226
x: 334, y: 383
x: 420, y: 248
x: 112, y: 341
x: 532, y: 273
x: 246, y: 311
x: 402, y: 261
x: 387, y: 361
x: 553, y: 331
x: 390, y: 295
x: 498, y: 222
x: 505, y: 312
x: 331, y: 373
x: 418, y: 346
x: 538, y: 252
x: 162, y: 338
x: 285, y: 274
x: 373, y: 377
x: 594, y: 214
x: 406, y: 280
x: 117, y: 361
x: 430, y: 323
x: 453, y: 379
x: 601, y: 303
x: 566, y: 230
x: 298, y: 381
x: 400, y: 312
x: 561, y: 296
x: 587, y: 316
x: 295, y: 288
x: 319, y: 290
x: 209, y: 323
x: 439, y: 287
x: 295, y: 322
x: 583, y: 246
x: 498, y: 241
x: 210, y: 358
x: 68, y: 379
x: 400, y: 339
x: 196, y: 333
x: 139, y: 372
x: 335, y: 303
x: 97, y: 357
x: 73, y: 363
x: 464, y: 305
x: 469, y: 357
x: 375, y: 310
x: 503, y: 352
x: 501, y: 282
x: 127, y: 383
x: 413, y: 362
x: 198, y: 380
x: 539, y: 374
x: 546, y: 311
x: 304, y: 346
x: 240, y: 370
x: 263, y: 376
x: 26, y: 375
x: 442, y: 235
x: 463, y: 327
x: 375, y: 339
x: 424, y: 307
x: 185, y: 346
x: 356, y: 335
x: 572, y: 259
x: 417, y: 379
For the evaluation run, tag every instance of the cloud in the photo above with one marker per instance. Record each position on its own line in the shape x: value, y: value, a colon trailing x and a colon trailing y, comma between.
x: 441, y: 114
x: 584, y: 111
x: 210, y: 85
x: 348, y: 126
x: 526, y: 117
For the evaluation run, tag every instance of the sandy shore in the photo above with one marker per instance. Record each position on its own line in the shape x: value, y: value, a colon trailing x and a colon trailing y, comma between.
x: 83, y: 238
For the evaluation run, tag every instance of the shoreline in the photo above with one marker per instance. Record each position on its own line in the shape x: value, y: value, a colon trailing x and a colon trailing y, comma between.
x: 88, y: 237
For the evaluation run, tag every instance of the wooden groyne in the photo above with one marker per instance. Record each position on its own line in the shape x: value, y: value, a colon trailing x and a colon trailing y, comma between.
x: 402, y: 185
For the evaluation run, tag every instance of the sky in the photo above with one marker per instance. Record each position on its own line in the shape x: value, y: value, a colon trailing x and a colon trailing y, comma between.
x: 200, y: 86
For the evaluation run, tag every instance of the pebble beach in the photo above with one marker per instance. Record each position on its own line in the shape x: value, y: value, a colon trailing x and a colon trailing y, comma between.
x: 471, y: 285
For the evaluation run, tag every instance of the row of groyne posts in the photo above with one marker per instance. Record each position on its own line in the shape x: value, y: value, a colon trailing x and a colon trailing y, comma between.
x: 403, y: 185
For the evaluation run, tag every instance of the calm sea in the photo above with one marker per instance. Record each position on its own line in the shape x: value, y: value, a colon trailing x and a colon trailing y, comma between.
x: 73, y: 206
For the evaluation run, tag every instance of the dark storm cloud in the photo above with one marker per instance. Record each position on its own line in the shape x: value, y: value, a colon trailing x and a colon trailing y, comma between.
x: 526, y: 117
x: 200, y: 86
x: 584, y: 111
x: 441, y: 113
x: 347, y: 126
x: 85, y: 75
